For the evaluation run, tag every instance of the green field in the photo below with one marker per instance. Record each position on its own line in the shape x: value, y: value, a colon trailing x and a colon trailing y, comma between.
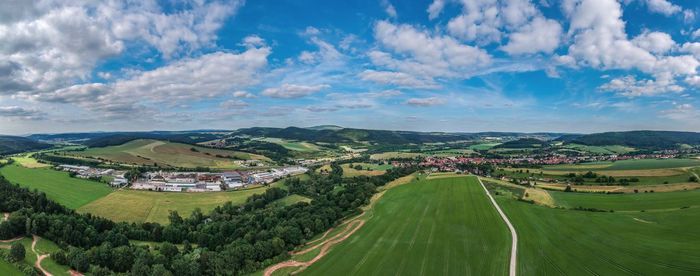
x: 150, y: 152
x: 484, y: 146
x: 293, y: 145
x: 613, y: 149
x: 395, y: 154
x: 628, y: 202
x: 635, y: 164
x: 9, y: 269
x: 147, y: 206
x: 568, y: 242
x: 68, y: 191
x: 291, y: 199
x: 43, y: 247
x: 368, y: 169
x: 430, y: 227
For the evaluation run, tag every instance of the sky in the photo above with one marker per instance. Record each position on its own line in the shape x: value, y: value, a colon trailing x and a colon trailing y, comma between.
x: 577, y: 66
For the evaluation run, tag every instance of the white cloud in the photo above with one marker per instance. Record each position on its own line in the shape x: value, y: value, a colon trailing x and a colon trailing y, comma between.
x: 396, y: 78
x: 233, y: 104
x: 435, y: 9
x: 389, y: 8
x: 663, y: 7
x: 51, y: 44
x: 681, y: 112
x: 289, y: 91
x: 692, y: 48
x: 425, y: 102
x: 243, y: 94
x: 540, y: 35
x: 629, y: 86
x: 425, y: 54
x: 655, y: 42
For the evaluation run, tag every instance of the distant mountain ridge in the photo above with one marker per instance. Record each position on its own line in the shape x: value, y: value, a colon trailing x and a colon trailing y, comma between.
x: 646, y: 139
x: 16, y: 144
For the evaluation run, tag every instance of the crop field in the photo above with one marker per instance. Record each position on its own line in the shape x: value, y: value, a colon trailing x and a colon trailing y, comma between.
x: 569, y: 242
x: 629, y: 202
x: 484, y: 146
x: 368, y: 169
x: 293, y: 145
x: 430, y: 227
x: 638, y: 164
x: 615, y: 149
x: 59, y: 186
x: 150, y: 152
x: 147, y: 206
x: 29, y: 162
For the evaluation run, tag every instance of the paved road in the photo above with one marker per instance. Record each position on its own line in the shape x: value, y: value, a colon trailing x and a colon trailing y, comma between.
x: 514, y: 236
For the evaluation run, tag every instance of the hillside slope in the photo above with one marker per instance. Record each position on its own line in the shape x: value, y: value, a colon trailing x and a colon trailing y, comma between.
x: 640, y: 139
x: 16, y: 144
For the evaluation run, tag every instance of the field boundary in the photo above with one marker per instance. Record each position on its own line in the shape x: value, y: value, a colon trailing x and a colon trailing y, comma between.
x: 514, y: 235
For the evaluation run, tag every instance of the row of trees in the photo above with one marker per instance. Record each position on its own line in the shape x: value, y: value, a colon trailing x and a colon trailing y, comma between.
x: 230, y: 240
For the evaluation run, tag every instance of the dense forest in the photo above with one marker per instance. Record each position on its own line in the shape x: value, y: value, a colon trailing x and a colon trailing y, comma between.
x: 230, y: 240
x: 639, y: 139
x: 16, y: 144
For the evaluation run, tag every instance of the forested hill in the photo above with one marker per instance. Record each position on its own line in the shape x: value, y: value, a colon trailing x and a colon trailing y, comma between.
x: 16, y: 144
x: 640, y: 139
x: 337, y: 134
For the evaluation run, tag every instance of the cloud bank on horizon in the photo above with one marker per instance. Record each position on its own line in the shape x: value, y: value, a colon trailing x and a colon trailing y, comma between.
x: 441, y: 65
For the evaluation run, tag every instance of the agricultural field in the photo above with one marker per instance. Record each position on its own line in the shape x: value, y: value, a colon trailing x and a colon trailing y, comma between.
x: 58, y: 186
x: 429, y: 227
x: 629, y: 202
x: 561, y: 241
x: 635, y: 164
x: 613, y: 149
x: 484, y: 146
x: 28, y: 162
x: 147, y: 206
x: 150, y: 152
x: 368, y: 169
x: 293, y: 145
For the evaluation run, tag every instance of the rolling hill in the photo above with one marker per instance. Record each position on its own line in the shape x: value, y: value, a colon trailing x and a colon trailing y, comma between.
x: 643, y: 139
x: 16, y: 144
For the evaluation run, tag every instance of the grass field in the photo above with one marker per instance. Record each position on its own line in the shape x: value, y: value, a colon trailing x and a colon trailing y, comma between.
x: 431, y: 227
x: 8, y: 269
x: 293, y: 145
x: 43, y: 247
x: 68, y: 191
x: 147, y: 206
x: 291, y: 199
x: 149, y: 152
x: 635, y: 164
x: 567, y: 242
x: 484, y: 146
x: 614, y: 149
x: 367, y: 169
x: 29, y: 162
x: 629, y: 202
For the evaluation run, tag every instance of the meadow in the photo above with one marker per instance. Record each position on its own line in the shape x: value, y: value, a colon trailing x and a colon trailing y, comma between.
x: 43, y: 247
x: 633, y: 164
x: 368, y: 169
x: 568, y: 242
x: 395, y: 155
x: 148, y: 206
x: 614, y: 149
x: 428, y: 227
x: 293, y: 145
x: 150, y: 152
x: 8, y: 269
x: 58, y: 186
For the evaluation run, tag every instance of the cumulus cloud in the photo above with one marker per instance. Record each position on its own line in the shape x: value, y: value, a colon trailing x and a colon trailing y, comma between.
x: 389, y: 8
x: 51, y: 44
x: 233, y: 104
x: 663, y: 7
x: 681, y: 111
x: 435, y: 9
x: 540, y: 35
x: 425, y: 102
x: 426, y: 54
x: 631, y: 87
x: 243, y: 94
x: 655, y: 42
x: 290, y: 91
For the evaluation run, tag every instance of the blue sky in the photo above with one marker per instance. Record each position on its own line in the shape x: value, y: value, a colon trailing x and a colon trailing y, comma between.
x: 480, y: 65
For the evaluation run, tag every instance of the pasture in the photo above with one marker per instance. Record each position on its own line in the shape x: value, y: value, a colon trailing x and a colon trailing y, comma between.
x: 58, y: 186
x: 162, y: 153
x: 293, y: 145
x: 484, y: 146
x: 395, y: 155
x: 8, y: 269
x: 569, y: 242
x: 428, y: 227
x: 368, y: 169
x: 29, y: 162
x: 148, y: 206
x: 632, y: 164
x: 613, y: 149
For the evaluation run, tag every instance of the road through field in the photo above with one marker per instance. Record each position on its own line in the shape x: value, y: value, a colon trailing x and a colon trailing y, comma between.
x: 514, y: 235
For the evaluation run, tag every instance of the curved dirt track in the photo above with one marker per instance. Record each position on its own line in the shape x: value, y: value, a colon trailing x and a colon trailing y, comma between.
x: 39, y: 258
x: 352, y: 227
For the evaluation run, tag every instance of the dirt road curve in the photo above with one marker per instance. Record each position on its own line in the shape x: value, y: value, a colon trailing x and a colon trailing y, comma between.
x: 513, y: 234
x: 352, y: 227
x: 39, y: 258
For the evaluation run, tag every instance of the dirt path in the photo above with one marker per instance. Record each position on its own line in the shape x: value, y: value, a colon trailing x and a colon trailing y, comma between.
x: 39, y: 258
x: 514, y: 235
x: 352, y: 227
x: 11, y: 240
x: 6, y: 216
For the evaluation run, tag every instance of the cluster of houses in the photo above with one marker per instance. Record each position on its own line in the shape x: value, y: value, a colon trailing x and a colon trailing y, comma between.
x: 86, y: 172
x: 210, y: 182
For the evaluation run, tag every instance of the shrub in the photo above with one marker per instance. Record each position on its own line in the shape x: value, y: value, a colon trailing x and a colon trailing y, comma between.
x: 17, y: 252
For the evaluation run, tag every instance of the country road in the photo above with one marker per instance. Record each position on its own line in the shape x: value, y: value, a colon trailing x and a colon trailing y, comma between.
x: 513, y: 234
